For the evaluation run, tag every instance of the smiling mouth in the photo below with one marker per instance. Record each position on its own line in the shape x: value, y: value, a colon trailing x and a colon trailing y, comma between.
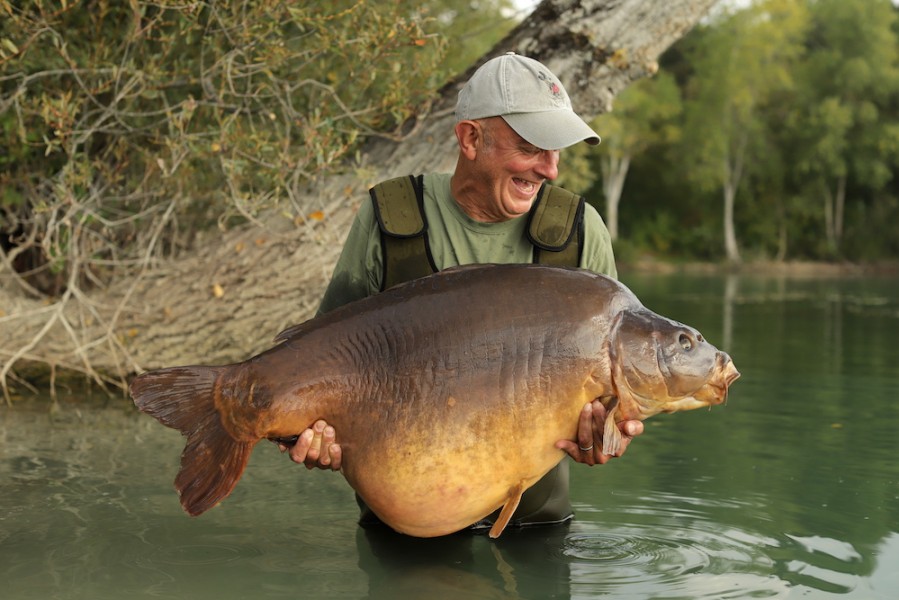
x: 527, y: 187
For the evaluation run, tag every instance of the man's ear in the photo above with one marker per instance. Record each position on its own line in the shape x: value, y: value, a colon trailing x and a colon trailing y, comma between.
x: 469, y: 135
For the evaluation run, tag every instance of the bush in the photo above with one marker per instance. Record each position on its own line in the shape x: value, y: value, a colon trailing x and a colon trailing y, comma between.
x: 132, y: 124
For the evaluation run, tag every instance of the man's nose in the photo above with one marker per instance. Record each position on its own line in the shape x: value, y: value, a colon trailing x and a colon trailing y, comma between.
x: 548, y: 166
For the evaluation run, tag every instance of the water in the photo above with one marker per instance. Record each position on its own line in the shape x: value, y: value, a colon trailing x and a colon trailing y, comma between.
x: 789, y: 491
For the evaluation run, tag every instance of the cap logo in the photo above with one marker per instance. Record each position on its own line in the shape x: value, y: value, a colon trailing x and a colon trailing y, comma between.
x: 551, y: 85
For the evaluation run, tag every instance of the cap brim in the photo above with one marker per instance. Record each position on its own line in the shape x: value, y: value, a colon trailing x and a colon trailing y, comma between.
x: 552, y: 130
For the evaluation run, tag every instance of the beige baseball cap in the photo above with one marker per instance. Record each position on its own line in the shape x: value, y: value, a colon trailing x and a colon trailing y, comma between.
x: 528, y: 97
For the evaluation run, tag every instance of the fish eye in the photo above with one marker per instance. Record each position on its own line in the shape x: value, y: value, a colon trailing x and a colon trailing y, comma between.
x: 685, y: 342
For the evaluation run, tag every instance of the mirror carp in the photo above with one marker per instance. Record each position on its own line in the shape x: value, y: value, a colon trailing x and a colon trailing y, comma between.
x: 447, y: 393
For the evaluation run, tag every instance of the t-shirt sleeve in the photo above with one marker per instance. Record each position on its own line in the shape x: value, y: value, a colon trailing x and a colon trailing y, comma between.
x: 597, y: 254
x: 359, y: 269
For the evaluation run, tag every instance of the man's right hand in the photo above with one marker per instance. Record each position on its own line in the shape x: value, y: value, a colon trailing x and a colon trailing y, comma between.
x: 316, y: 448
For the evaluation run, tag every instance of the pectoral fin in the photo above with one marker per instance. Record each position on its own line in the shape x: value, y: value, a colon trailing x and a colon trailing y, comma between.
x: 611, y: 435
x: 508, y: 510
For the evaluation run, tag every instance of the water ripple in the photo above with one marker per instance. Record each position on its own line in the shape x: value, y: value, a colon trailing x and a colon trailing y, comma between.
x: 676, y: 547
x: 202, y: 554
x: 633, y: 548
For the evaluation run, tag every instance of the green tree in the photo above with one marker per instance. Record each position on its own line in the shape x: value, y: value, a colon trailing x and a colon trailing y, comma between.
x: 645, y: 114
x: 739, y: 63
x: 841, y: 121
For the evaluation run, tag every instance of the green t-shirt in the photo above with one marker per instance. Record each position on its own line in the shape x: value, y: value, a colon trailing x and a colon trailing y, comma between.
x: 454, y: 239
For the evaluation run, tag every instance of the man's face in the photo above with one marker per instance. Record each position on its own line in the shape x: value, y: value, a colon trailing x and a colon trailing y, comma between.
x: 512, y: 170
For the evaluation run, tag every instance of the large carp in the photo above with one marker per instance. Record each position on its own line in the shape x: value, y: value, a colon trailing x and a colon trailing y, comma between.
x: 448, y: 393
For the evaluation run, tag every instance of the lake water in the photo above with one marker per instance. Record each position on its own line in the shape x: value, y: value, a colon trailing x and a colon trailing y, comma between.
x: 789, y: 491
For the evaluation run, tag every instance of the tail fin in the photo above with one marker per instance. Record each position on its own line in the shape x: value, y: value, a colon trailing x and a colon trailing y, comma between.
x: 183, y: 398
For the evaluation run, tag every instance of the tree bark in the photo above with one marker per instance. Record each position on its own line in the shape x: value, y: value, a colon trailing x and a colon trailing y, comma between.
x: 732, y: 177
x: 229, y: 298
x: 834, y: 206
x: 614, y: 174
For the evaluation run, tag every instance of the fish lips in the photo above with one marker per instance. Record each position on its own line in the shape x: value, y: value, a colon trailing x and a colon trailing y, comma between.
x: 725, y: 373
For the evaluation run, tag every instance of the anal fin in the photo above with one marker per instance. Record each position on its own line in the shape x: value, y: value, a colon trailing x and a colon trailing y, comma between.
x: 508, y: 510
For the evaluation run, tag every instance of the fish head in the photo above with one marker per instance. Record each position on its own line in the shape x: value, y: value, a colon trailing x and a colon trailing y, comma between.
x: 661, y: 365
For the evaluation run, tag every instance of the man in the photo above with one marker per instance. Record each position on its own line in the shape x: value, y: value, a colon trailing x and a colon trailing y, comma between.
x: 512, y: 119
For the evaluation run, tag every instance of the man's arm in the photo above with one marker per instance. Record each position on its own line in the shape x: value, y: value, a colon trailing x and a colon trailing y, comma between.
x: 359, y: 269
x: 597, y: 254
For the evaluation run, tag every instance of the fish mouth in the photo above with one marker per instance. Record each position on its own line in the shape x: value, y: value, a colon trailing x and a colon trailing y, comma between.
x: 730, y: 373
x: 715, y: 391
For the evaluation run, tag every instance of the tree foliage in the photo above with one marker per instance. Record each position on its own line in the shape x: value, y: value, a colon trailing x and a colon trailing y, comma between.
x: 845, y: 130
x: 743, y: 65
x: 790, y: 117
x: 128, y: 126
x: 645, y: 115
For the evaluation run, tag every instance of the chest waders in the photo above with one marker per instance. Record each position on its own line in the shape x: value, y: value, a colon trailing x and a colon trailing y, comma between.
x: 555, y: 228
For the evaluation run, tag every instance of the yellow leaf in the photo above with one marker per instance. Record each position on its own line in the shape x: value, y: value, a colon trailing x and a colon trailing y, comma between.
x: 217, y: 290
x: 317, y: 215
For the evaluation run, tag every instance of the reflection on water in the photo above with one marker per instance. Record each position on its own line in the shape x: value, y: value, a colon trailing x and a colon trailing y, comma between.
x: 791, y: 490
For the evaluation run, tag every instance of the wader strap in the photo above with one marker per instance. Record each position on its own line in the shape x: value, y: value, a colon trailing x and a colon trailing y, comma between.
x: 399, y: 209
x: 556, y: 227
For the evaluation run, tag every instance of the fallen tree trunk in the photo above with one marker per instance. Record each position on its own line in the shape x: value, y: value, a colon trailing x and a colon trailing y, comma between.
x: 237, y: 290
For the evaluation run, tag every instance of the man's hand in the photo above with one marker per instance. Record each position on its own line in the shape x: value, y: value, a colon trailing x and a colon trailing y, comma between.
x: 316, y: 448
x: 588, y: 448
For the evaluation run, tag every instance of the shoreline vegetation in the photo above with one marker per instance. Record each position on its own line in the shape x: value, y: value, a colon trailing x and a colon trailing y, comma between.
x: 792, y: 268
